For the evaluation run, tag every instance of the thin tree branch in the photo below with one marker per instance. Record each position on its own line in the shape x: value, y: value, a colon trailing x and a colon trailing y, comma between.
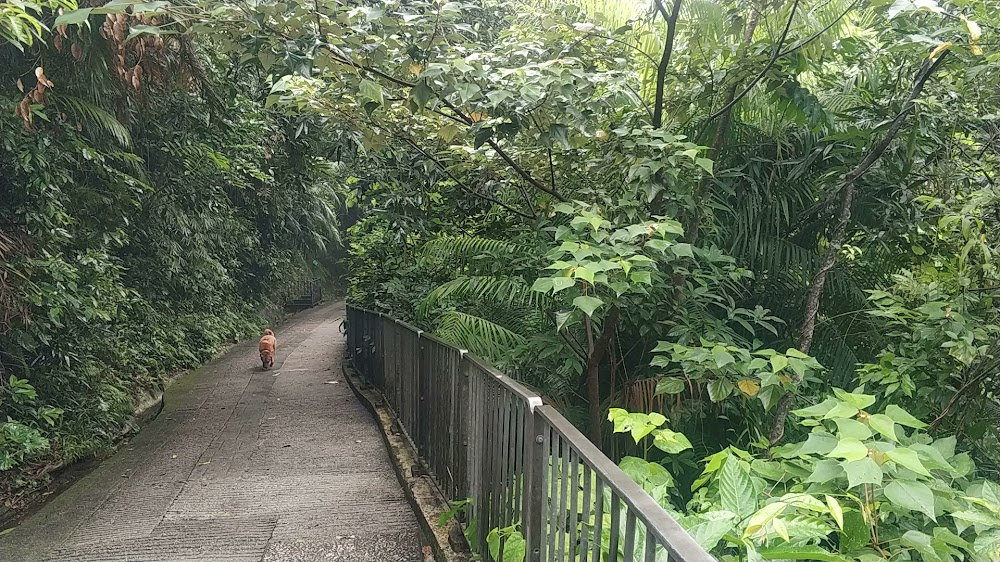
x: 668, y: 47
x: 816, y: 35
x: 627, y: 44
x: 459, y: 182
x: 762, y: 73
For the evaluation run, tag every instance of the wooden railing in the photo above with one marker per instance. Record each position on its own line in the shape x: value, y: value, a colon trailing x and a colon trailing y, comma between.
x: 486, y: 438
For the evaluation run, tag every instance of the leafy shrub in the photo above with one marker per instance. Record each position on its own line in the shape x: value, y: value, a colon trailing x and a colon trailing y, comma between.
x: 862, y: 486
x: 23, y: 441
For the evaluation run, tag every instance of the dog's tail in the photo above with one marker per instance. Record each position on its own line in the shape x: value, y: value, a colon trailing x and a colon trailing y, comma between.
x: 268, y: 332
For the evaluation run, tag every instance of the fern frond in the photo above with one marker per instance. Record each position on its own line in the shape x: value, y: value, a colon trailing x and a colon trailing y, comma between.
x: 466, y: 247
x: 93, y: 116
x: 507, y: 291
x: 480, y: 336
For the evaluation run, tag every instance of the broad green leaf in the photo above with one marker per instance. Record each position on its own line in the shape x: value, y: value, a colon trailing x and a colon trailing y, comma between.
x: 778, y: 362
x: 562, y: 283
x: 946, y: 446
x: 803, y: 500
x: 722, y: 357
x: 707, y: 529
x: 817, y: 411
x: 931, y: 457
x: 682, y: 250
x: 911, y: 495
x: 587, y: 304
x: 826, y: 470
x: 970, y: 517
x: 641, y: 277
x: 798, y: 366
x: 902, y: 417
x: 669, y: 385
x: 806, y: 527
x: 817, y: 444
x: 655, y: 418
x: 712, y: 464
x: 769, y: 469
x: 584, y: 273
x: 859, y: 401
x: 493, y: 543
x: 769, y: 396
x: 466, y: 90
x: 852, y: 428
x: 513, y: 548
x: 991, y: 492
x: 779, y: 527
x: 900, y: 6
x: 850, y: 449
x: 987, y: 545
x: 884, y: 425
x: 789, y: 552
x: 670, y: 441
x: 720, y: 389
x: 620, y: 418
x: 653, y: 477
x: 841, y: 410
x: 371, y: 90
x: 963, y: 464
x: 735, y: 488
x: 921, y: 542
x: 857, y: 533
x: 74, y: 17
x: 836, y: 511
x: 862, y: 471
x: 762, y: 517
x: 267, y: 59
x: 705, y: 164
x: 542, y: 285
x: 908, y: 458
x: 792, y: 352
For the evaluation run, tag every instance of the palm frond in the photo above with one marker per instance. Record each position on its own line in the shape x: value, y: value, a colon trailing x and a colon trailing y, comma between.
x: 506, y: 291
x: 90, y: 115
x: 465, y: 247
x: 479, y: 335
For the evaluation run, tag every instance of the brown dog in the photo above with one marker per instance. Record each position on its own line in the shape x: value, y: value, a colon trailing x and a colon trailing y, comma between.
x: 268, y: 345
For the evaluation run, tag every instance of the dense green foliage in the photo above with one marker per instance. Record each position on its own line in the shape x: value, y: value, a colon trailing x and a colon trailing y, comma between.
x: 146, y: 220
x: 771, y: 222
x: 708, y: 211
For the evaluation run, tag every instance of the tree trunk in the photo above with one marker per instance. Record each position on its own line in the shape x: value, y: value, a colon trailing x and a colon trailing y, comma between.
x: 668, y: 48
x: 596, y: 350
x: 815, y: 292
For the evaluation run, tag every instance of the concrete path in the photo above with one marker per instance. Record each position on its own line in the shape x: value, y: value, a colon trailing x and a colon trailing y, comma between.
x: 242, y: 465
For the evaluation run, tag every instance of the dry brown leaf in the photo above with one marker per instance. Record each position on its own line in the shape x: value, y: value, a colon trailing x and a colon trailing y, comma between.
x: 748, y: 387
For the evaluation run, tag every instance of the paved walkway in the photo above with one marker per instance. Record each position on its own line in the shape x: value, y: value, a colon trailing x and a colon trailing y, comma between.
x: 241, y: 466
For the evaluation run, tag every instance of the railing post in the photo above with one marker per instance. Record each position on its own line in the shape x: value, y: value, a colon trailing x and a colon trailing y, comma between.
x: 464, y: 424
x: 533, y: 507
